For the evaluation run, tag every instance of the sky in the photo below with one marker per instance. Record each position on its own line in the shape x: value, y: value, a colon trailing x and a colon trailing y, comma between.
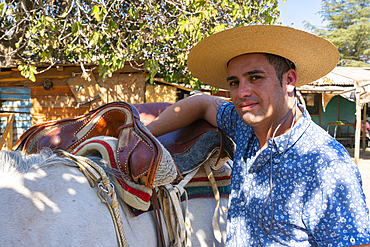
x: 294, y: 12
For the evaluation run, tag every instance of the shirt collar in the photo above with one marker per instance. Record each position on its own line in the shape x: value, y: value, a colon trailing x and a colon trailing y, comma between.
x: 279, y: 142
x: 296, y: 132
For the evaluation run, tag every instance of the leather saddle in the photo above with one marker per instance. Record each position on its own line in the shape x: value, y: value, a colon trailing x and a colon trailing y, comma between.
x: 192, y: 145
x: 139, y: 154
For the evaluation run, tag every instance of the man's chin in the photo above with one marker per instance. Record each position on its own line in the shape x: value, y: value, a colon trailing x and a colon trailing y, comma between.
x: 251, y: 120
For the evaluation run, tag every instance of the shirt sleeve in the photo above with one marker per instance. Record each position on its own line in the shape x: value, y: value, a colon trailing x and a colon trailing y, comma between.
x: 336, y: 213
x: 226, y: 119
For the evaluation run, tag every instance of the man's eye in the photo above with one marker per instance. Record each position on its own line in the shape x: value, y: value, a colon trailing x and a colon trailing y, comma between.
x: 233, y: 83
x: 255, y: 78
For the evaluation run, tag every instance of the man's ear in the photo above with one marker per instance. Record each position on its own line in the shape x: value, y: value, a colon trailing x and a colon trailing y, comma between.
x: 291, y: 80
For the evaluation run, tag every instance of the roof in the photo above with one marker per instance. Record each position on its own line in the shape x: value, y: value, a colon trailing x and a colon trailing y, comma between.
x: 344, y: 76
x: 342, y: 80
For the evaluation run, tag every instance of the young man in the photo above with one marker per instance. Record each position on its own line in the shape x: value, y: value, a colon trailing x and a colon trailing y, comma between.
x: 292, y: 183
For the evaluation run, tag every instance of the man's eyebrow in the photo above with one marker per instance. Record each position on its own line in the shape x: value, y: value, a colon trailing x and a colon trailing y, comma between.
x: 229, y: 78
x: 252, y: 72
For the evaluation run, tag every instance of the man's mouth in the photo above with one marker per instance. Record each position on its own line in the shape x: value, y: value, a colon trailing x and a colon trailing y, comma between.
x: 247, y: 106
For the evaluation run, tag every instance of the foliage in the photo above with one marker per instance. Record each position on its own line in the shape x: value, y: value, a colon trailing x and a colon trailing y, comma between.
x: 348, y: 29
x: 156, y: 34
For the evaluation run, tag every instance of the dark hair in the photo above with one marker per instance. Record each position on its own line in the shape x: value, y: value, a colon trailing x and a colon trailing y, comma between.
x: 280, y: 64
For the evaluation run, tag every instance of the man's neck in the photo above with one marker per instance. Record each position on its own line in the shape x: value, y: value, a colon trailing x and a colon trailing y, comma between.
x: 263, y: 134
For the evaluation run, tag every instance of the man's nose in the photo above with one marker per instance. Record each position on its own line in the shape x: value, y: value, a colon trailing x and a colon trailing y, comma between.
x: 244, y: 90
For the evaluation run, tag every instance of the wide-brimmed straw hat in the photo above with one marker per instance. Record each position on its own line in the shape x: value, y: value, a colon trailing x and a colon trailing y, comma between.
x: 313, y: 56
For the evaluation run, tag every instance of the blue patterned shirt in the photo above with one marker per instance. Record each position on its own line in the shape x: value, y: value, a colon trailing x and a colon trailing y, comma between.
x: 317, y: 197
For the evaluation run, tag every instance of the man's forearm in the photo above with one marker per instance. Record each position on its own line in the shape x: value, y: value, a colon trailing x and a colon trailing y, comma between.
x: 183, y: 113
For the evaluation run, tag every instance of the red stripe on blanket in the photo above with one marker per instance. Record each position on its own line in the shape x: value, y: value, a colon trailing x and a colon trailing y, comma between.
x: 201, y: 179
x: 144, y: 196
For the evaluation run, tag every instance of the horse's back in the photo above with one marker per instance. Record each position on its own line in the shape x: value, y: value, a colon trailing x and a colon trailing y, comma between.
x: 54, y: 205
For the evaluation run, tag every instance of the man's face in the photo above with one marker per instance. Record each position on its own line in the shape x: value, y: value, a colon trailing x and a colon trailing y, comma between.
x: 256, y: 92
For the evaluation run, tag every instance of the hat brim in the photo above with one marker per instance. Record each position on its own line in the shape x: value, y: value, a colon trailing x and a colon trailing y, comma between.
x: 313, y: 56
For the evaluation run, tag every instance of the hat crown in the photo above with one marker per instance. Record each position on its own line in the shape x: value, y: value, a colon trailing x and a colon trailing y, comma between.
x: 313, y: 56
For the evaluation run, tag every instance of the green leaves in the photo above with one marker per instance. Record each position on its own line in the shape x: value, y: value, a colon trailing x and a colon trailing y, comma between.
x: 94, y: 40
x: 156, y: 36
x: 9, y: 11
x: 28, y: 71
x: 96, y: 13
x: 76, y: 26
x: 348, y: 29
x: 153, y: 67
x: 2, y: 9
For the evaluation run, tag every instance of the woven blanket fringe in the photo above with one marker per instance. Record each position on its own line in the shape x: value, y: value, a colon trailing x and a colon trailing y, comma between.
x: 178, y: 223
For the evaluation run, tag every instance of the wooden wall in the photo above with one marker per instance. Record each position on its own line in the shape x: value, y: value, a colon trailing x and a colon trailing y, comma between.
x: 55, y: 103
x: 160, y: 93
x: 16, y: 100
x: 59, y: 102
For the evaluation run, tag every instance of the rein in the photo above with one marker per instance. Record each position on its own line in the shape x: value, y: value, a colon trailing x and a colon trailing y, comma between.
x: 94, y: 173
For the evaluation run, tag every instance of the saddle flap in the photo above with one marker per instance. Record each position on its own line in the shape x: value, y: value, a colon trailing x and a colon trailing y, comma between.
x: 135, y: 195
x: 140, y: 154
x: 134, y: 154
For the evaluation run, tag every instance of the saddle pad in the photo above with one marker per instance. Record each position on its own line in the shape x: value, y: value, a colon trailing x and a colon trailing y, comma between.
x: 193, y: 145
x: 193, y: 192
x: 136, y: 195
x: 200, y: 179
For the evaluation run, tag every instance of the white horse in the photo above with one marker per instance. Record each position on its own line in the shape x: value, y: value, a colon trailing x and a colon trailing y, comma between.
x: 44, y: 201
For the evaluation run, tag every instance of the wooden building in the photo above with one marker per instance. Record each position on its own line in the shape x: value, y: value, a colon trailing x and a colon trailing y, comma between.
x: 335, y: 102
x: 57, y: 92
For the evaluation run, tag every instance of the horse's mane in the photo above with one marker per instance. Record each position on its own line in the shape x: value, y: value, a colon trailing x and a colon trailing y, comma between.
x: 14, y: 160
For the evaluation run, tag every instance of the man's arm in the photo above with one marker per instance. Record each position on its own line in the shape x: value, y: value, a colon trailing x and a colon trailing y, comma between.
x: 185, y: 112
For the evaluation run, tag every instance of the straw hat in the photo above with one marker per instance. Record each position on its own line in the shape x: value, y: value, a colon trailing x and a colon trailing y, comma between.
x: 314, y: 57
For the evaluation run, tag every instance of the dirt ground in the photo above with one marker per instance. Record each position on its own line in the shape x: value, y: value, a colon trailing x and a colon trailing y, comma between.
x: 364, y: 166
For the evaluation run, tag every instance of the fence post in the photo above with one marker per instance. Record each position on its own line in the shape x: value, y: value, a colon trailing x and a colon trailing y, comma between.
x: 8, y: 132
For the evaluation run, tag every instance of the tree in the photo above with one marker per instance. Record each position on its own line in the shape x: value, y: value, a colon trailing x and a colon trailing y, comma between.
x: 156, y: 33
x: 348, y: 29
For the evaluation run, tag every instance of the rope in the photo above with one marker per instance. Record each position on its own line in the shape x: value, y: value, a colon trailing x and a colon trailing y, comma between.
x: 178, y: 225
x: 95, y: 173
x: 216, y: 227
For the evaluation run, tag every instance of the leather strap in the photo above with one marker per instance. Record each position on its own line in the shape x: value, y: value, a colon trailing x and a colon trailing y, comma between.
x: 222, y: 146
x: 157, y: 213
x: 216, y: 227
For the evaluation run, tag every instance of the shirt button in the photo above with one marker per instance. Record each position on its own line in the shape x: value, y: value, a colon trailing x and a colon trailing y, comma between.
x: 242, y: 203
x: 352, y: 240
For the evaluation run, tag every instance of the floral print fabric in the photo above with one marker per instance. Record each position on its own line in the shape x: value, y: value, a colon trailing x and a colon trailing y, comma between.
x: 317, y: 196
